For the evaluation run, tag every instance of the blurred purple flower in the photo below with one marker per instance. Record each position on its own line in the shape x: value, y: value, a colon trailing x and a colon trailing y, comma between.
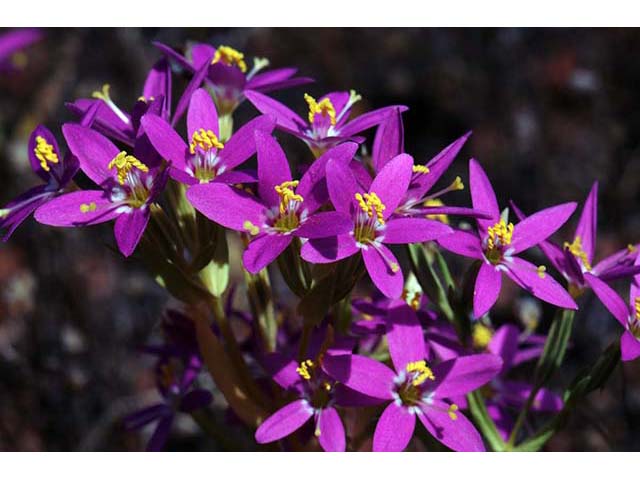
x: 11, y: 45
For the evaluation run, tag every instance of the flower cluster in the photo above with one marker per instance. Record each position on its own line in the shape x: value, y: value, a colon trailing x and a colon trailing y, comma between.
x: 342, y: 362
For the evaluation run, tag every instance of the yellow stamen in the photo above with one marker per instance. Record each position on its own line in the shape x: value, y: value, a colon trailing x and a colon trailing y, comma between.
x: 453, y: 408
x: 326, y: 386
x: 144, y: 99
x: 420, y: 169
x: 324, y: 107
x: 577, y: 250
x: 413, y: 302
x: 317, y: 432
x: 370, y: 203
x: 305, y: 369
x: 205, y: 140
x: 102, y: 94
x: 424, y: 372
x: 45, y: 153
x: 124, y: 164
x: 230, y: 56
x: 440, y: 217
x: 632, y: 248
x: 541, y: 271
x: 250, y: 227
x: 481, y: 336
x: 88, y: 207
x: 500, y: 233
x: 457, y: 184
x: 287, y: 194
x: 637, y: 305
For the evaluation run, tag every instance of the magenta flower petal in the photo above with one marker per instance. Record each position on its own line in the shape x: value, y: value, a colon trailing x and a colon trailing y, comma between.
x: 313, y: 184
x: 330, y: 249
x: 384, y: 270
x: 242, y: 143
x: 276, y: 75
x: 284, y: 116
x: 202, y: 113
x: 129, y: 228
x: 332, y: 437
x: 201, y: 54
x: 543, y: 285
x: 587, y: 224
x: 282, y: 370
x: 36, y: 166
x: 369, y: 119
x: 504, y: 343
x: 629, y: 347
x: 84, y: 207
x: 273, y: 167
x: 284, y: 421
x: 487, y: 289
x: 228, y: 206
x: 342, y: 186
x: 459, y: 435
x: 539, y: 226
x: 516, y: 394
x: 165, y: 140
x: 609, y: 298
x: 394, y: 429
x: 392, y: 182
x: 233, y: 177
x: 389, y: 140
x: 185, y: 99
x: 324, y: 224
x: 362, y: 374
x: 263, y: 250
x: 94, y: 151
x: 462, y: 243
x: 464, y: 374
x: 404, y: 335
x: 161, y: 433
x: 483, y: 197
x: 414, y: 230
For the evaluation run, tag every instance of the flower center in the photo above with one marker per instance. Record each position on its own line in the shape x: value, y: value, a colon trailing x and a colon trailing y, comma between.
x: 288, y: 218
x: 498, y: 237
x: 324, y: 108
x: 128, y: 170
x: 370, y: 219
x: 576, y: 249
x: 205, y: 140
x: 124, y: 164
x: 320, y: 391
x: 230, y: 56
x: 45, y: 153
x: 204, y: 146
x: 409, y: 387
x: 634, y: 321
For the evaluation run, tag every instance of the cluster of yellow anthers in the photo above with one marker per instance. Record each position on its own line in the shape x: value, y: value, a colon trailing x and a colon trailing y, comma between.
x: 205, y: 139
x: 323, y: 107
x: 305, y: 369
x: 88, y: 207
x: 414, y: 302
x: 124, y: 163
x: 250, y: 227
x: 453, y: 408
x: 481, y: 336
x: 637, y: 306
x: 420, y: 169
x: 576, y: 249
x: 287, y: 194
x: 44, y: 153
x: 230, y: 56
x: 500, y: 233
x: 424, y: 372
x: 370, y: 203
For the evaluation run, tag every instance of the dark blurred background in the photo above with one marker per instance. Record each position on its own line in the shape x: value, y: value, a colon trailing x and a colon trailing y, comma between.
x: 552, y: 110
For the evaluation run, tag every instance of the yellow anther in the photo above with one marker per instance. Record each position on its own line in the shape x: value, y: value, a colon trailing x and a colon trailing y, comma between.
x: 420, y: 169
x: 632, y: 248
x: 457, y: 184
x: 541, y: 271
x: 305, y: 369
x: 481, y: 336
x: 144, y: 99
x: 205, y: 140
x: 102, y: 94
x: 88, y: 207
x: 250, y: 227
x: 326, y: 386
x: 453, y: 408
x: 637, y: 305
x: 577, y: 250
x: 4, y: 212
x: 324, y: 107
x: 424, y: 372
x: 124, y: 164
x: 287, y: 194
x: 500, y: 233
x: 370, y: 203
x: 440, y: 217
x: 45, y: 153
x: 230, y: 56
x: 317, y: 432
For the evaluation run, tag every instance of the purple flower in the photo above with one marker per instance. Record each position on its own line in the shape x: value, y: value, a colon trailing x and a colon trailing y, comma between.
x: 414, y: 389
x: 371, y: 225
x: 227, y: 75
x: 206, y: 159
x: 46, y: 162
x: 285, y: 208
x: 575, y: 258
x: 128, y: 187
x: 498, y: 243
x: 11, y: 45
x: 328, y: 121
x: 627, y: 314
